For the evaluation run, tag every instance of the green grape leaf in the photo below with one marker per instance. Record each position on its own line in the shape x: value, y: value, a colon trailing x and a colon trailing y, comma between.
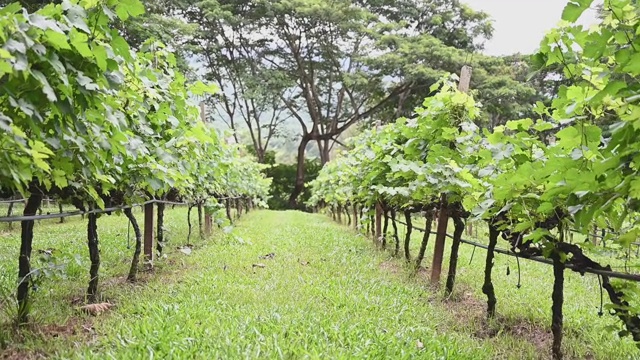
x: 634, y: 188
x: 46, y: 87
x: 120, y: 46
x: 58, y: 40
x: 100, y: 54
x: 79, y: 42
x: 127, y: 8
x: 574, y: 9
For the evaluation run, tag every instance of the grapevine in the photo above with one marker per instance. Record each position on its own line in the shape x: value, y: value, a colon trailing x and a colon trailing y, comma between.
x: 531, y: 180
x: 88, y: 120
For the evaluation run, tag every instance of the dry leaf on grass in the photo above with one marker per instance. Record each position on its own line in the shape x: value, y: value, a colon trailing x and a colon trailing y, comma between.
x: 259, y: 265
x: 96, y: 309
x: 88, y: 328
x: 185, y: 250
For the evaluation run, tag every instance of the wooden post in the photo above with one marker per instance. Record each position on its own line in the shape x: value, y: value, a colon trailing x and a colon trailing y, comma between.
x: 207, y: 216
x: 208, y: 222
x: 378, y: 229
x: 441, y: 236
x: 203, y: 114
x: 355, y: 217
x: 443, y: 216
x: 148, y: 232
x: 465, y: 78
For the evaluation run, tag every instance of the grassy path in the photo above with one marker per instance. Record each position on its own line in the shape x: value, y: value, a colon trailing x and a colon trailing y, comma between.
x: 321, y: 296
x: 325, y: 294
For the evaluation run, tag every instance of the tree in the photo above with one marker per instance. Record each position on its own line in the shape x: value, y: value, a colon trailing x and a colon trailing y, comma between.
x: 30, y: 5
x: 224, y: 53
x: 157, y: 23
x: 316, y: 60
x: 326, y: 48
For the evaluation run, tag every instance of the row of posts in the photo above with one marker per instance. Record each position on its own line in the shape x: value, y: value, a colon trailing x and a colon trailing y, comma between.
x: 148, y: 235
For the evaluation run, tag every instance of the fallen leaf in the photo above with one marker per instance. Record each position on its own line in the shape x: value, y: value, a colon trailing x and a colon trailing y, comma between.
x: 259, y: 265
x: 96, y: 309
x: 268, y: 256
x: 77, y: 300
x: 420, y: 344
x: 304, y: 263
x: 185, y: 250
x: 88, y: 328
x: 47, y: 252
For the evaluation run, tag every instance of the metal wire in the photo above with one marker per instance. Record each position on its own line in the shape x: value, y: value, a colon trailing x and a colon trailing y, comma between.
x: 611, y: 274
x: 78, y: 213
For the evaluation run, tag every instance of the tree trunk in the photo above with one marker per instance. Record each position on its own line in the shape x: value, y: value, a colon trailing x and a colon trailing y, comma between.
x: 373, y: 227
x: 9, y: 213
x: 200, y: 225
x: 324, y: 150
x: 24, y: 260
x: 94, y: 255
x: 339, y: 213
x: 299, y: 184
x: 227, y: 206
x: 487, y: 287
x: 622, y: 309
x: 348, y: 214
x: 557, y: 298
x: 368, y: 226
x: 260, y: 152
x: 60, y: 209
x: 556, y: 308
x: 453, y: 260
x: 133, y: 271
x: 160, y: 229
x: 385, y: 227
x: 395, y: 232
x: 377, y: 231
x: 407, y: 237
x: 425, y: 238
x: 189, y: 223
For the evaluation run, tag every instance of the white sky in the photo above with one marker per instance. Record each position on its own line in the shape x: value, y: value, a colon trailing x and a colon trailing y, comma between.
x: 519, y: 25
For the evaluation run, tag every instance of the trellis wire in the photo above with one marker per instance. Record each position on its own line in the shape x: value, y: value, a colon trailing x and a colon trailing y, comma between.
x: 9, y: 219
x: 611, y: 274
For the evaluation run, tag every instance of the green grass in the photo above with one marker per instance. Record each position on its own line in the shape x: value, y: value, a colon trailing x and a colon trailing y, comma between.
x: 327, y: 294
x: 586, y: 333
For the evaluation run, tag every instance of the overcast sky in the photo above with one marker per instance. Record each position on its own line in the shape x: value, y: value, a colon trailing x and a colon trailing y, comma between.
x: 519, y: 25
